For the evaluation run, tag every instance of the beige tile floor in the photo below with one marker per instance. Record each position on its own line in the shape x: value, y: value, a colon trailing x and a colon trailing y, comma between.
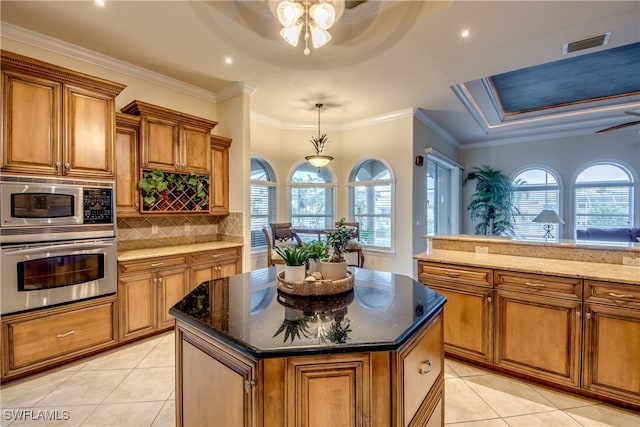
x: 134, y: 386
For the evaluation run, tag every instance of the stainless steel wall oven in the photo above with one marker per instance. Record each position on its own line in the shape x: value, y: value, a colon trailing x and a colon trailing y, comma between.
x: 57, y: 241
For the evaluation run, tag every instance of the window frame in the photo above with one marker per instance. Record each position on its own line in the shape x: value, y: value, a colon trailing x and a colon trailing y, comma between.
x: 351, y: 184
x: 272, y: 186
x: 333, y: 185
x: 631, y: 184
x: 558, y: 228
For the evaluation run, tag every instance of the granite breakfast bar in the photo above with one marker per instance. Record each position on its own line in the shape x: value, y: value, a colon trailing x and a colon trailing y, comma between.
x: 248, y: 354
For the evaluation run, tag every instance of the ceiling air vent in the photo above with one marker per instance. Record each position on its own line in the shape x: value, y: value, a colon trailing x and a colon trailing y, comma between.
x: 596, y: 41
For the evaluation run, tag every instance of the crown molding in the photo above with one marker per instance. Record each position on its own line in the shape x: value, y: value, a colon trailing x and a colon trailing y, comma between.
x: 235, y: 88
x: 41, y: 41
x: 423, y: 118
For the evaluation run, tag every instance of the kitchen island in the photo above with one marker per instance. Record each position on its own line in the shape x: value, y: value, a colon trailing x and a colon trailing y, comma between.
x: 250, y: 355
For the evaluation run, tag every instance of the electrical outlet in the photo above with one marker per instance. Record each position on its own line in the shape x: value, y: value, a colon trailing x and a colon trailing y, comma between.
x: 627, y: 260
x: 154, y: 229
x: 187, y: 227
x: 482, y: 250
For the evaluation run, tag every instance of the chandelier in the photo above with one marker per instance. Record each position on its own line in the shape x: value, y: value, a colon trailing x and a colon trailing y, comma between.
x: 315, y: 17
x: 319, y: 143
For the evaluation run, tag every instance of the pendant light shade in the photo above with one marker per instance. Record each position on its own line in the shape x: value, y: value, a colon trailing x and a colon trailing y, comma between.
x: 319, y: 143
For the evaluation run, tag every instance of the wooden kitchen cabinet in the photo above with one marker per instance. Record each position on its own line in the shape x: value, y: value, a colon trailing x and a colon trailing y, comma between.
x: 210, y: 265
x: 44, y: 338
x: 172, y: 141
x: 468, y: 319
x: 219, y: 194
x: 538, y: 327
x: 127, y: 165
x: 611, y: 356
x: 147, y: 289
x: 56, y: 121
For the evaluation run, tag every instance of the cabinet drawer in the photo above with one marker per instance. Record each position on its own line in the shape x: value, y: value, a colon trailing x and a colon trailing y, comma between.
x: 421, y: 368
x: 428, y: 271
x: 151, y: 264
x: 559, y: 287
x: 618, y: 294
x: 214, y: 256
x: 47, y: 337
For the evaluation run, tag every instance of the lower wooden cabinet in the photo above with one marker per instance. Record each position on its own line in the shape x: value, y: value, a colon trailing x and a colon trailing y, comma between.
x: 611, y: 361
x: 468, y: 325
x: 538, y: 328
x: 217, y: 385
x: 43, y: 338
x: 579, y: 334
x: 148, y: 288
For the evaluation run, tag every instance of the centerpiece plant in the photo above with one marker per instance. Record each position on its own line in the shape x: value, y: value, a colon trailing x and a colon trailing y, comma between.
x: 318, y: 250
x: 294, y: 258
x: 337, y: 238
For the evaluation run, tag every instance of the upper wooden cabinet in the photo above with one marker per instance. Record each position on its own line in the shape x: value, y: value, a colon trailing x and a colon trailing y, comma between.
x: 172, y: 141
x: 127, y: 165
x: 219, y: 197
x: 56, y: 121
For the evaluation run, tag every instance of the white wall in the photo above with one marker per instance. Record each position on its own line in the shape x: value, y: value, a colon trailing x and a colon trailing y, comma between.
x: 566, y: 156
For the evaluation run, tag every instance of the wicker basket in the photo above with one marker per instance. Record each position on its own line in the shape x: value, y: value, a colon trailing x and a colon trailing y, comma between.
x: 317, y: 288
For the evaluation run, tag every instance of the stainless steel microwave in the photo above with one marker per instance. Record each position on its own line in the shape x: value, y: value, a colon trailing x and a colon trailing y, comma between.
x: 32, y: 207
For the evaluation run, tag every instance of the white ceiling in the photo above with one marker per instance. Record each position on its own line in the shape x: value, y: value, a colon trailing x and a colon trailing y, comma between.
x: 386, y: 56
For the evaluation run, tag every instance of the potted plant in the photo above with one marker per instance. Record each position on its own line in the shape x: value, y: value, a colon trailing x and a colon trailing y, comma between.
x: 492, y: 204
x: 318, y: 250
x: 335, y: 268
x: 294, y: 259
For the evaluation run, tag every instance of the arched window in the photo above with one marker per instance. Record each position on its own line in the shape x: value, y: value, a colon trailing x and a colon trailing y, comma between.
x: 370, y: 202
x: 312, y: 197
x: 604, y: 197
x: 537, y: 189
x: 263, y: 200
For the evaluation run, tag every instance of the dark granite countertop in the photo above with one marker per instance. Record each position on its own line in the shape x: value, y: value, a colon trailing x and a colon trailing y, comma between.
x: 249, y: 313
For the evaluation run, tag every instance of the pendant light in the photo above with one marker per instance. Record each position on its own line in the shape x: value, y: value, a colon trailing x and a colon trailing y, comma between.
x: 319, y: 143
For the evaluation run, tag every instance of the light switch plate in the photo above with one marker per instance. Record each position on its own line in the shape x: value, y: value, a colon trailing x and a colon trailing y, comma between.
x: 482, y: 250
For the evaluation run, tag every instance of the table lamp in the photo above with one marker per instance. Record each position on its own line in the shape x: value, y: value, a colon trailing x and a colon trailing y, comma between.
x: 548, y: 217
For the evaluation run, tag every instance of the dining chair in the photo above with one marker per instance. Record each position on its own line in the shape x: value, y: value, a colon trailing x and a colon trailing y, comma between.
x: 354, y: 244
x: 279, y: 234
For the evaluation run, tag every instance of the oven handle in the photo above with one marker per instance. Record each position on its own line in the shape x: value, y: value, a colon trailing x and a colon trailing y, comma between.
x: 31, y: 250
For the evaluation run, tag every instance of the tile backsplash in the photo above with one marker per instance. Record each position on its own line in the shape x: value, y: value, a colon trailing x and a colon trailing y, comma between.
x: 164, y: 230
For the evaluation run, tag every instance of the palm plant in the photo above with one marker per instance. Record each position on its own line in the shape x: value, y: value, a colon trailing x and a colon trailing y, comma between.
x: 296, y: 255
x: 492, y: 204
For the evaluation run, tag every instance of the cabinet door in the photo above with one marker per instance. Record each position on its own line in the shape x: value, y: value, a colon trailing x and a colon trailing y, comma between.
x: 137, y: 299
x: 89, y: 133
x: 539, y: 336
x: 219, y: 194
x: 611, y: 364
x: 127, y: 193
x: 328, y: 391
x: 31, y: 117
x: 201, y: 273
x: 468, y: 320
x: 171, y: 289
x: 227, y: 382
x: 159, y: 147
x: 195, y: 150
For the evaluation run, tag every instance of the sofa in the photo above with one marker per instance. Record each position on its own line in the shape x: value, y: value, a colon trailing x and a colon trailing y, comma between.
x: 609, y: 234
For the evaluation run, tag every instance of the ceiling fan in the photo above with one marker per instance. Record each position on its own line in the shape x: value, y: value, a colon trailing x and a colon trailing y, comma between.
x: 623, y: 125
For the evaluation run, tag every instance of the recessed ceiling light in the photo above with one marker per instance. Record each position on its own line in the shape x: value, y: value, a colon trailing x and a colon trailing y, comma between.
x: 228, y: 60
x: 99, y: 2
x: 464, y: 33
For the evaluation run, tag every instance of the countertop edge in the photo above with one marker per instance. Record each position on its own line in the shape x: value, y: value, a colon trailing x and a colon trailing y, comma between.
x: 136, y: 254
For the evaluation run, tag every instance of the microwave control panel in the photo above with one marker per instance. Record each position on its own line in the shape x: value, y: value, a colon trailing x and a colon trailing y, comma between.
x: 98, y: 206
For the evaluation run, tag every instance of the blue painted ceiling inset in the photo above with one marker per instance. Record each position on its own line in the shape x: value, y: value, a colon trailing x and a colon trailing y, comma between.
x: 605, y: 74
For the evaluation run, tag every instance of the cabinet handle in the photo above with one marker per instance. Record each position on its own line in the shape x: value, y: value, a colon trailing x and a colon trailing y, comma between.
x: 489, y: 299
x: 66, y: 334
x: 588, y: 315
x: 536, y: 285
x: 577, y: 314
x: 155, y: 280
x: 425, y: 367
x: 451, y: 274
x: 613, y: 294
x: 57, y: 164
x: 248, y: 385
x: 67, y: 165
x: 160, y: 279
x: 216, y: 255
x: 157, y: 264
